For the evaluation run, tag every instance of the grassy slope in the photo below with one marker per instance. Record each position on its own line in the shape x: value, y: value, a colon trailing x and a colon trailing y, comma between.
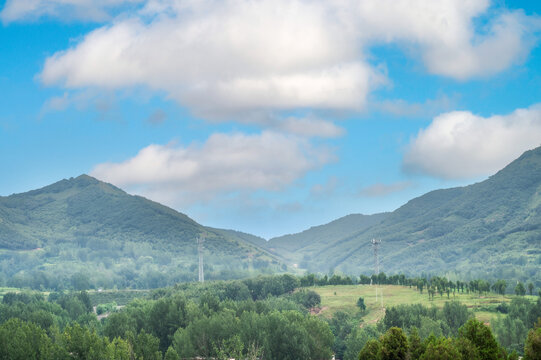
x: 347, y: 295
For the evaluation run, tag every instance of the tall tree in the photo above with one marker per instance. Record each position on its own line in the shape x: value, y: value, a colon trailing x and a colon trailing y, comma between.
x: 416, y: 346
x: 442, y: 349
x: 394, y: 345
x: 520, y: 290
x: 371, y: 350
x: 481, y: 337
x: 532, y: 348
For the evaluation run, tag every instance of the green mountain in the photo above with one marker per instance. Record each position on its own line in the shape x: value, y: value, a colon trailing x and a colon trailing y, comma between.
x: 84, y: 231
x: 300, y: 248
x: 83, y: 224
x: 491, y: 228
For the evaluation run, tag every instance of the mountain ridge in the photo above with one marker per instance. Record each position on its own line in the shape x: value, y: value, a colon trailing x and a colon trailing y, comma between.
x: 483, y: 228
x: 85, y: 225
x: 476, y: 228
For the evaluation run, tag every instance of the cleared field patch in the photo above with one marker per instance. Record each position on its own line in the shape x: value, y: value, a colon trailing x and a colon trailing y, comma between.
x: 344, y: 298
x: 5, y: 290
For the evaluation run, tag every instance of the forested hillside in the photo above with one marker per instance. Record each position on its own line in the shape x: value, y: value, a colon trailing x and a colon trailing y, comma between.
x: 492, y: 228
x: 270, y: 318
x: 87, y: 227
x: 301, y: 247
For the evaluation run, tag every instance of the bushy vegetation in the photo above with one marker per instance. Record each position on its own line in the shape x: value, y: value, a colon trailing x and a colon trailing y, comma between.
x: 267, y: 317
x: 474, y: 341
x: 254, y: 318
x: 511, y: 330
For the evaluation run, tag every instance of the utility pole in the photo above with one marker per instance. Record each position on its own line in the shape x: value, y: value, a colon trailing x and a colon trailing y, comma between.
x: 200, y: 241
x: 375, y: 247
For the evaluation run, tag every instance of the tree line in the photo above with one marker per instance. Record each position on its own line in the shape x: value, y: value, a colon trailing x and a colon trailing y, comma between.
x: 259, y: 318
x: 431, y: 284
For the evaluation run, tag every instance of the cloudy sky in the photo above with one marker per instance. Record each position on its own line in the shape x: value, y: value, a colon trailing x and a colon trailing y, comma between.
x: 267, y: 116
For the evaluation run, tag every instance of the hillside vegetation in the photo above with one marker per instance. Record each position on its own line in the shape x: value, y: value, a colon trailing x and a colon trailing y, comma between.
x: 267, y: 317
x: 83, y: 231
x: 492, y: 228
x: 301, y: 247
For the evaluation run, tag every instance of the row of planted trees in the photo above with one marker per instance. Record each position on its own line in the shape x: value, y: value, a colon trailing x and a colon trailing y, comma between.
x: 480, y: 286
x: 433, y: 284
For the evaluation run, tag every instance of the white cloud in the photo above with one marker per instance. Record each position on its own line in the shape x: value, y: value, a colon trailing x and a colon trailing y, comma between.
x: 231, y: 57
x: 157, y: 117
x: 224, y: 163
x: 87, y: 10
x: 460, y: 144
x: 103, y: 103
x: 445, y: 34
x: 308, y: 127
x: 226, y: 57
x: 326, y: 189
x: 402, y: 108
x: 57, y: 103
x: 381, y: 189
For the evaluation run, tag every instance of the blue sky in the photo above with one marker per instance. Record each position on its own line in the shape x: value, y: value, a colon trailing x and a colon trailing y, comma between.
x: 267, y: 116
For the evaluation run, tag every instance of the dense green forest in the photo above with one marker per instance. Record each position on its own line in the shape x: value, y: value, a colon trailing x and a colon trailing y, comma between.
x: 266, y: 317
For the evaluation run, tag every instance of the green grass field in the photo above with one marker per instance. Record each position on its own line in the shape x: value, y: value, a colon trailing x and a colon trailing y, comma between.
x: 344, y: 298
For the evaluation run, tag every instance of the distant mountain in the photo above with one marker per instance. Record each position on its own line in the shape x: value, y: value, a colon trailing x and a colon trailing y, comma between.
x: 300, y: 247
x: 492, y: 227
x: 85, y: 228
x: 91, y: 221
x: 249, y: 238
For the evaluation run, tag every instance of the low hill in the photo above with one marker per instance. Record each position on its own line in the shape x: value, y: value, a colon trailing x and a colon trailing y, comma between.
x: 300, y: 247
x: 488, y: 228
x: 85, y: 221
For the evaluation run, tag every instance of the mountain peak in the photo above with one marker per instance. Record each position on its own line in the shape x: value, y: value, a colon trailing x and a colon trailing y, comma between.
x: 80, y: 182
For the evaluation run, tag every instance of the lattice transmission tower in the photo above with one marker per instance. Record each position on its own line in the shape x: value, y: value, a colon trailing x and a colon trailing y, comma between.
x: 200, y: 241
x: 375, y: 247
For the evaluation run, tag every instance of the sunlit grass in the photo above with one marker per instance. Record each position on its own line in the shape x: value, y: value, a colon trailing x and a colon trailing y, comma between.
x: 344, y: 298
x: 5, y: 290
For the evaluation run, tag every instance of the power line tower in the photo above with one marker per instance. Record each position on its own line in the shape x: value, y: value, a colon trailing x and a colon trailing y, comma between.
x: 375, y: 247
x: 200, y: 241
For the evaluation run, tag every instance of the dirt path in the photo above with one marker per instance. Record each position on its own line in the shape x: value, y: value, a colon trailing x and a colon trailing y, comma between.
x: 317, y: 310
x: 374, y: 321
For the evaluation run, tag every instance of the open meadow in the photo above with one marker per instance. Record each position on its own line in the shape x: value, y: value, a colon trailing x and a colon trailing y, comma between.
x: 344, y: 298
